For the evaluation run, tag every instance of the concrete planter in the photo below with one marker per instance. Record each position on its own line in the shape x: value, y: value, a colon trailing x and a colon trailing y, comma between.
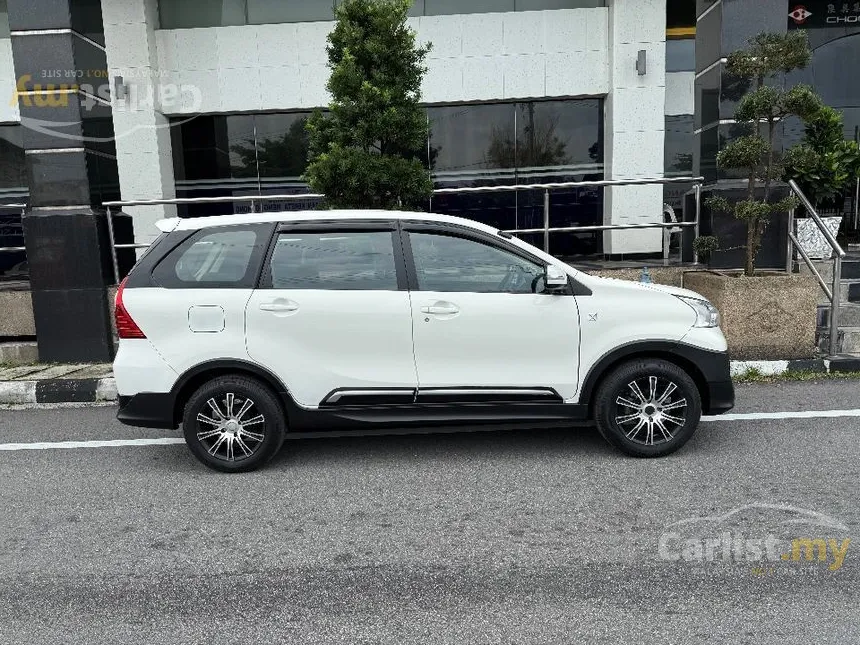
x: 764, y: 317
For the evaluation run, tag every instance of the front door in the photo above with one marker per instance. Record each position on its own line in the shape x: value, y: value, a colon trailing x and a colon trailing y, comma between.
x: 332, y: 316
x: 482, y: 320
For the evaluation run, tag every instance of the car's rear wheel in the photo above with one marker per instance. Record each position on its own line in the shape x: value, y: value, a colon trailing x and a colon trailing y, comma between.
x: 648, y: 408
x: 233, y: 424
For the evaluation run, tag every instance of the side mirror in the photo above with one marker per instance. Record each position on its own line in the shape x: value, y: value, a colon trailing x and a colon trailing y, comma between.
x: 555, y: 278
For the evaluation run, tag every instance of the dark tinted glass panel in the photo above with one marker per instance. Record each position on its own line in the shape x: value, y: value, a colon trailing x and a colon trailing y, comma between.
x: 13, y: 265
x: 213, y: 258
x: 708, y: 37
x: 681, y: 55
x: 467, y: 141
x: 447, y: 263
x: 708, y: 148
x: 558, y: 134
x: 679, y: 145
x: 282, y: 145
x: 680, y: 13
x: 180, y: 14
x: 4, y: 20
x: 443, y: 7
x: 13, y: 173
x: 346, y: 260
x: 272, y: 11
x: 707, y: 98
x: 216, y: 147
x: 538, y: 5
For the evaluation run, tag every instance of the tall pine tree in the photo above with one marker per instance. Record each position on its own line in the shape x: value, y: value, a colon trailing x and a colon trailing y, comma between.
x: 368, y: 151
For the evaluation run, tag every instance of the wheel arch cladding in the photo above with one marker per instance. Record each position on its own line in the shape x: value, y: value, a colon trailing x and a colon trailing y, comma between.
x: 195, y: 377
x: 641, y: 351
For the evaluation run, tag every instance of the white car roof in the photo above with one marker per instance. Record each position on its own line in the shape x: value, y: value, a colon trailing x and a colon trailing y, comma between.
x: 193, y: 223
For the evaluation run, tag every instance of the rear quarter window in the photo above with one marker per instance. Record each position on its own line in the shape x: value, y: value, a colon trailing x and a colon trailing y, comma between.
x: 227, y: 257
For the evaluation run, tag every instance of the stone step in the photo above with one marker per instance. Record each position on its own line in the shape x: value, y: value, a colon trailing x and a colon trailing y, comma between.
x: 849, y: 340
x: 849, y: 315
x: 850, y: 269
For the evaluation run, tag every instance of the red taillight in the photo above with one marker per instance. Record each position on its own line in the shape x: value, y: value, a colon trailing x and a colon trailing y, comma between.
x: 125, y: 325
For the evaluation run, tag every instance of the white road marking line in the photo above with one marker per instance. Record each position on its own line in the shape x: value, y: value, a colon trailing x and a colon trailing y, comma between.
x: 803, y: 414
x: 99, y: 443
x: 170, y: 441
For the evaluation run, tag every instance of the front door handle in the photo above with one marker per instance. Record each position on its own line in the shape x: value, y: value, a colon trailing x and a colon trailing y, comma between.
x: 282, y: 306
x: 441, y: 309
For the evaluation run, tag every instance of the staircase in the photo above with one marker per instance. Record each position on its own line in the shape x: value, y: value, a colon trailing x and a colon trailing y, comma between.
x: 849, y: 307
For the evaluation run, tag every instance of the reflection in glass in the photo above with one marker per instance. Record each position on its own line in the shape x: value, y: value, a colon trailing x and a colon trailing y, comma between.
x: 681, y: 55
x: 678, y: 158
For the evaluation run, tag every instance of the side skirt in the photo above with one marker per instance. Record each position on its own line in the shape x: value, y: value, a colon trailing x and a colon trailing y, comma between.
x: 429, y: 416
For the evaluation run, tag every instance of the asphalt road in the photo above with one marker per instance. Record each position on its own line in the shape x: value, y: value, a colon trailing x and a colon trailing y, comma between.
x: 490, y: 537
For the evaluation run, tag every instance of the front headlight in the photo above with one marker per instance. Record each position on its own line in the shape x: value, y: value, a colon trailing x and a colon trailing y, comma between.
x: 706, y: 313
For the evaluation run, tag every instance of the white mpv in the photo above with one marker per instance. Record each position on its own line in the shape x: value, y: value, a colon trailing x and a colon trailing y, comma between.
x: 246, y: 328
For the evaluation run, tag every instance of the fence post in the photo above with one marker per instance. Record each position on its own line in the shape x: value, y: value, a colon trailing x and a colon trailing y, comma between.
x: 112, y: 246
x: 834, y: 303
x: 698, y: 194
x: 546, y: 221
x: 789, y: 261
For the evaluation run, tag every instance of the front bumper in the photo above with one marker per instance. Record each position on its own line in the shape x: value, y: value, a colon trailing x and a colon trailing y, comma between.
x: 718, y: 392
x: 148, y: 410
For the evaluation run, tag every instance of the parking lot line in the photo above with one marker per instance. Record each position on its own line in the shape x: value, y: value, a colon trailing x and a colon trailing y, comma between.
x: 106, y: 443
x: 803, y: 414
x: 169, y: 441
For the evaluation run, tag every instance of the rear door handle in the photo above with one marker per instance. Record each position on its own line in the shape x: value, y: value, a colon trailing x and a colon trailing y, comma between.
x: 439, y: 309
x: 279, y: 306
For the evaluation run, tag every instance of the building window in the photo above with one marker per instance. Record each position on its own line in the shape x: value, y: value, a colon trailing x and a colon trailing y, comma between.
x: 558, y: 140
x: 185, y: 14
x: 681, y: 55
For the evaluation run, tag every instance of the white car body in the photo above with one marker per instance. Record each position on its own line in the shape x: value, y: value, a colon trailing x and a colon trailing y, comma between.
x: 318, y: 345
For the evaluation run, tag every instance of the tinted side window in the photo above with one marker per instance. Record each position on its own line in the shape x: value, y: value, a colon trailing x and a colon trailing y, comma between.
x: 219, y: 257
x: 355, y: 260
x: 447, y: 263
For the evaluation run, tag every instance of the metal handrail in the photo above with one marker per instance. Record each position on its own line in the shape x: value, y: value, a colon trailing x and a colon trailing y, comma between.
x: 546, y: 187
x: 834, y: 293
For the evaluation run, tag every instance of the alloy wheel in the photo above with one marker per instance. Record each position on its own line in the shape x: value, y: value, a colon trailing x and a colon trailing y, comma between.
x: 231, y: 428
x: 649, y: 410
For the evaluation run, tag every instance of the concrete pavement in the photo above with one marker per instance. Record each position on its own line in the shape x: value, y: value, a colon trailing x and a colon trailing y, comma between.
x: 499, y: 537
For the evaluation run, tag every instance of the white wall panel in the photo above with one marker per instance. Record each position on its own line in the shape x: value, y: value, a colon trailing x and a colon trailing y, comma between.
x: 484, y: 57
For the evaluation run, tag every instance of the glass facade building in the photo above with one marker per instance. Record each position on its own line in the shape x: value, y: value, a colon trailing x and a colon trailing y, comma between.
x: 469, y: 145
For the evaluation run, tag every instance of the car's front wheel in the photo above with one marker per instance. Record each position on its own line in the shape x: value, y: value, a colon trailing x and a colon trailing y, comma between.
x: 233, y: 424
x: 648, y: 408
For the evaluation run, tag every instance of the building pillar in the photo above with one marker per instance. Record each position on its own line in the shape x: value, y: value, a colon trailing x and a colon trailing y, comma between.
x: 144, y: 152
x: 59, y: 58
x: 635, y: 123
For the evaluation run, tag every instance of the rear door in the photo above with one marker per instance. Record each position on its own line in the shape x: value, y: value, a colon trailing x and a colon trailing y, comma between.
x: 332, y: 316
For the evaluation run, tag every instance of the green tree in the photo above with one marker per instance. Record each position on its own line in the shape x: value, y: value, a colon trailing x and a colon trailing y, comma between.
x: 824, y: 163
x: 368, y: 151
x: 768, y: 58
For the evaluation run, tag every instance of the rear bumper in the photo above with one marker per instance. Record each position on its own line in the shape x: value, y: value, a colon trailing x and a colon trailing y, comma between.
x: 147, y: 410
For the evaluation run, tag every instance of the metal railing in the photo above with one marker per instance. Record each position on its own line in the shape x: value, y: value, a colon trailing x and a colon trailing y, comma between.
x: 23, y: 209
x: 546, y: 229
x: 834, y: 292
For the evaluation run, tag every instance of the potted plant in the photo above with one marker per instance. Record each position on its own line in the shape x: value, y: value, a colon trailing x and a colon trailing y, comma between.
x: 765, y: 315
x: 823, y: 165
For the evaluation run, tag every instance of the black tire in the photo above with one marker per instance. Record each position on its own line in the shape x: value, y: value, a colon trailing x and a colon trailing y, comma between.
x: 258, y: 430
x: 656, y: 414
